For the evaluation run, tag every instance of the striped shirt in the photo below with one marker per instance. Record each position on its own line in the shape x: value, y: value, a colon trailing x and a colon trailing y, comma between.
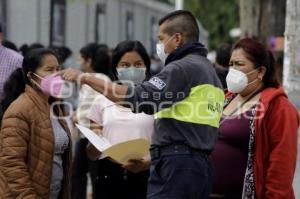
x: 9, y: 62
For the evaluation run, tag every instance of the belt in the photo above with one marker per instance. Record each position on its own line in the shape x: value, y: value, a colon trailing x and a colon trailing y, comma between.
x: 176, y: 149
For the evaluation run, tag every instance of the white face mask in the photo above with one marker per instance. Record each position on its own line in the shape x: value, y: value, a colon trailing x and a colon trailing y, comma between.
x: 237, y: 81
x: 136, y: 75
x: 160, y: 50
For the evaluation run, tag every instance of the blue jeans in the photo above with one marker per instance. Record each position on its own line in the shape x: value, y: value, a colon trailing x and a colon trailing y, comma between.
x: 186, y: 176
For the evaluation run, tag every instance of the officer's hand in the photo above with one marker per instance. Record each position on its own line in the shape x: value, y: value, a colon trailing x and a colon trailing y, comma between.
x: 71, y: 74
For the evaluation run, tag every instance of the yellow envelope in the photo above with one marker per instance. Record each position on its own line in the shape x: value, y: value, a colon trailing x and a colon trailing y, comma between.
x: 122, y: 152
x: 132, y: 149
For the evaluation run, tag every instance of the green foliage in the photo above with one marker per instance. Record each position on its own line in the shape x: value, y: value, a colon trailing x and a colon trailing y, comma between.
x: 217, y: 16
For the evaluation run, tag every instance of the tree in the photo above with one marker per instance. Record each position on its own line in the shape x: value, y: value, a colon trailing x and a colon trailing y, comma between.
x: 262, y: 18
x: 291, y: 77
x: 218, y: 17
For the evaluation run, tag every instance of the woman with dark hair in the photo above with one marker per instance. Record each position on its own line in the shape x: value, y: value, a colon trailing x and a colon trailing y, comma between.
x: 35, y: 144
x: 255, y: 156
x: 95, y: 61
x: 131, y: 62
x: 95, y: 58
x: 119, y: 124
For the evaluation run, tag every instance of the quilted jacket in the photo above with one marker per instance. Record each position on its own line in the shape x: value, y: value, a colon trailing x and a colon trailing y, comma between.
x: 27, y: 148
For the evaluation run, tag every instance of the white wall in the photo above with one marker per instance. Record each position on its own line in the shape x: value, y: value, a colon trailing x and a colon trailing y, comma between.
x: 113, y: 32
x: 76, y: 25
x: 22, y: 21
x: 28, y: 21
x: 44, y: 27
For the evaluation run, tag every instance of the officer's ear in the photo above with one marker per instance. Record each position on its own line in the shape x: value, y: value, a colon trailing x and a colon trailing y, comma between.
x: 179, y: 39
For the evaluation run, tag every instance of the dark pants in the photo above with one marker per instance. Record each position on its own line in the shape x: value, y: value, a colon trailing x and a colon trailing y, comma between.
x: 81, y: 167
x: 185, y: 176
x: 114, y: 182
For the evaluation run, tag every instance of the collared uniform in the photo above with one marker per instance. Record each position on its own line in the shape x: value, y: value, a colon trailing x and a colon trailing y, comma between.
x: 187, y: 99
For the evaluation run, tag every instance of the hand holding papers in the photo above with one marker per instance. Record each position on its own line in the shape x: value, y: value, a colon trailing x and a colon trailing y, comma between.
x: 122, y: 152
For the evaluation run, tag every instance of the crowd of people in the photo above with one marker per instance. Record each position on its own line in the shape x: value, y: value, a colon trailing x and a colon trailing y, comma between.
x: 217, y: 130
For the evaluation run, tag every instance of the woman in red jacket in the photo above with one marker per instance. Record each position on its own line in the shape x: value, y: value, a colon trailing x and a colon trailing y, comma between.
x: 255, y: 156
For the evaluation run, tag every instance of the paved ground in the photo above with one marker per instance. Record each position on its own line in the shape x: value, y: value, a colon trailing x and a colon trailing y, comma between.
x: 297, y: 174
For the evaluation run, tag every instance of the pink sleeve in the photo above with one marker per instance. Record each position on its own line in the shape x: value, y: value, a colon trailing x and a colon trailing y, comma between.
x: 96, y: 111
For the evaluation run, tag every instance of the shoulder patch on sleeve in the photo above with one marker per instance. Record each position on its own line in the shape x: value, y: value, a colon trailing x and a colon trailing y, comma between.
x: 157, y: 82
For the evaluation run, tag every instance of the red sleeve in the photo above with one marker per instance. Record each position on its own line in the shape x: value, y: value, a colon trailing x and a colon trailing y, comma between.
x: 227, y: 94
x: 282, y: 125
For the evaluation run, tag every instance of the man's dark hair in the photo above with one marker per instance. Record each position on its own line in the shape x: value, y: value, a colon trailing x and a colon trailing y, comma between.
x: 181, y: 21
x: 0, y: 28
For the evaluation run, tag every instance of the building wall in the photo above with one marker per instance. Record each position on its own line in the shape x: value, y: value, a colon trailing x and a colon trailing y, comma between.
x: 77, y: 22
x: 21, y: 21
x: 29, y: 21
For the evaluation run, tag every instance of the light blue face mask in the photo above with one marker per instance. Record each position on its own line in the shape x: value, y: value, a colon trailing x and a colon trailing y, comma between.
x: 133, y: 74
x: 160, y: 50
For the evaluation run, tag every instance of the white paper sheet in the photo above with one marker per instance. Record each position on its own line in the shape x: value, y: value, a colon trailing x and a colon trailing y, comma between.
x: 122, y: 152
x: 101, y: 143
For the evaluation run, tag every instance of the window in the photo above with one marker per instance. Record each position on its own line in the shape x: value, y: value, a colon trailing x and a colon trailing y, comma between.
x: 58, y: 22
x: 153, y: 35
x: 129, y: 25
x: 100, y: 23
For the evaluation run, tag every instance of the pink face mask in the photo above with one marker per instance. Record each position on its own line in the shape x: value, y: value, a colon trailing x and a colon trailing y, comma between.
x: 54, y: 86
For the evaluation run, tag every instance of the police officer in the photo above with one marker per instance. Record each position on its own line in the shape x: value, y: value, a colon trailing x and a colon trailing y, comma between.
x: 186, y: 98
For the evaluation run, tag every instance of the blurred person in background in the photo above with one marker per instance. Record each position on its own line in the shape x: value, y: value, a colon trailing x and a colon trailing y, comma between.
x: 223, y: 53
x: 9, y: 62
x: 65, y: 56
x: 9, y: 45
x: 95, y: 61
x: 26, y: 48
x: 23, y: 49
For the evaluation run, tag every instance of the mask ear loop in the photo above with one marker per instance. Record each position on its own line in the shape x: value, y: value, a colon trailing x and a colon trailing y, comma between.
x: 252, y: 82
x: 36, y: 75
x: 169, y: 40
x: 32, y: 80
x: 251, y: 73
